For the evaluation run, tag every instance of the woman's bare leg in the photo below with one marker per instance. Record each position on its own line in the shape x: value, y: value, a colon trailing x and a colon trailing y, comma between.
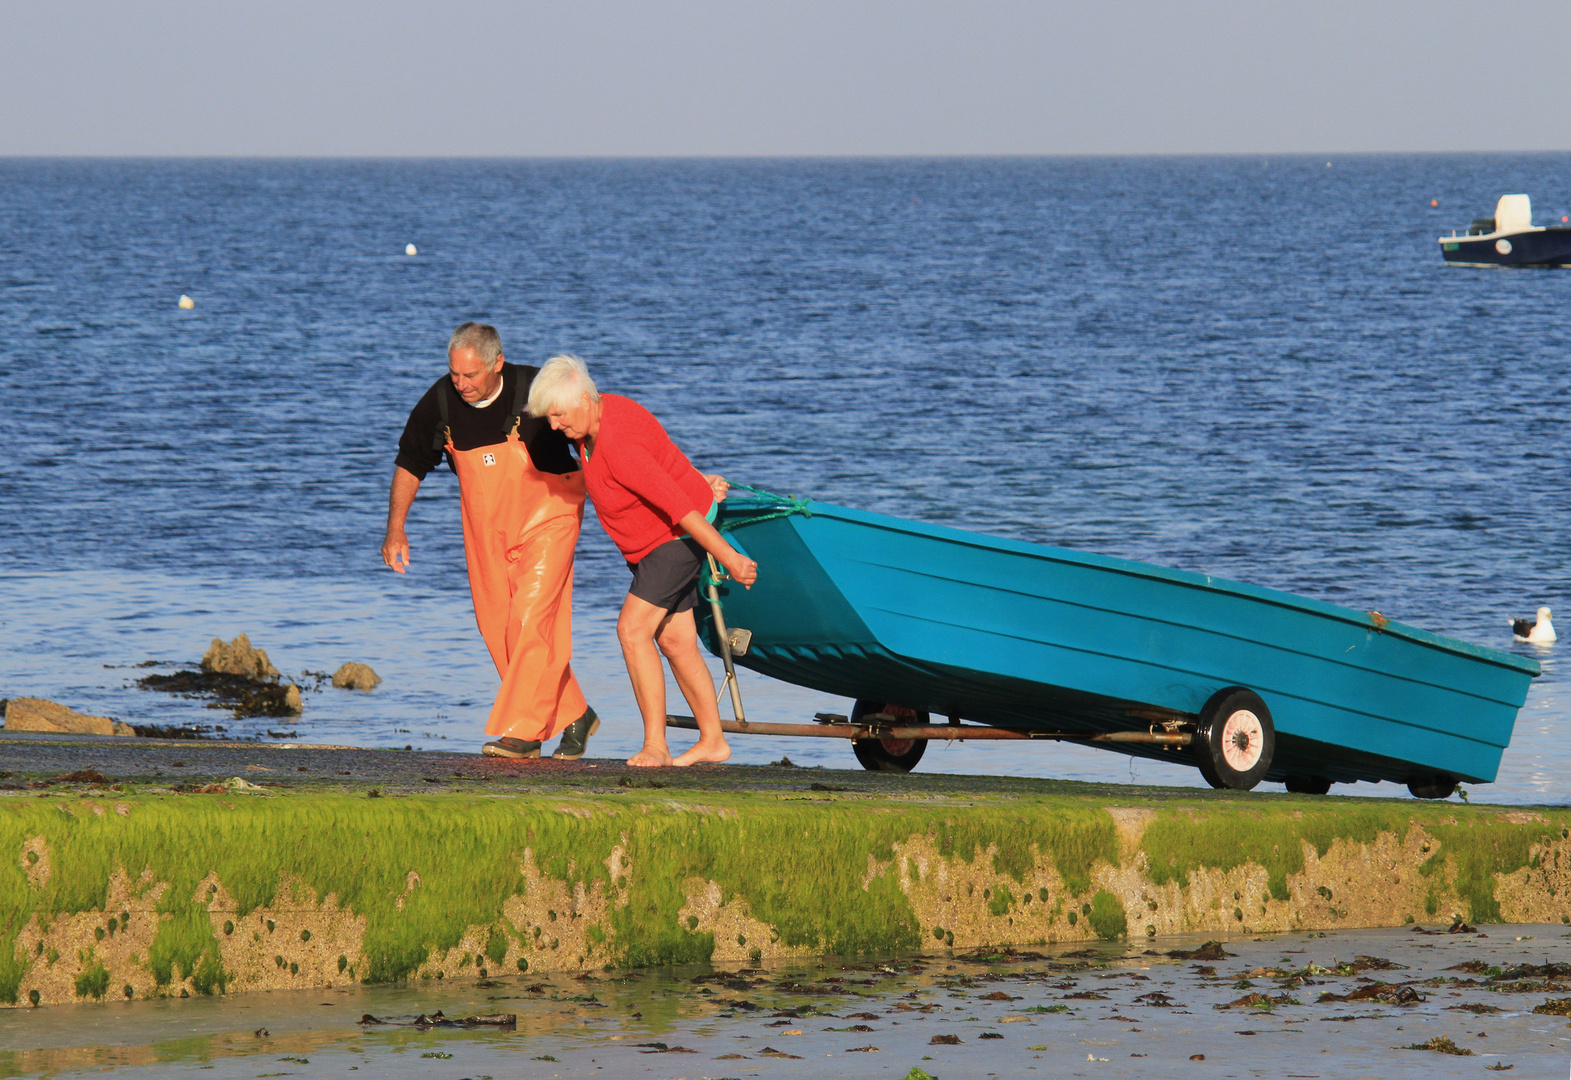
x: 679, y: 641
x: 636, y: 628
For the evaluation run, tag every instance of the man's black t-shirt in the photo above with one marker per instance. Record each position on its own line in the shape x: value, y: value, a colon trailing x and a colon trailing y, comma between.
x: 418, y: 448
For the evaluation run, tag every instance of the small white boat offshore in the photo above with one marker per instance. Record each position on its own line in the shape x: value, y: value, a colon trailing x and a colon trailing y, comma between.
x: 1508, y: 239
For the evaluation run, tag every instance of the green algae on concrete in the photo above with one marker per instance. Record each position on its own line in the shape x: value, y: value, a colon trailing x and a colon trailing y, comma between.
x: 1473, y: 853
x: 164, y: 894
x: 1464, y: 853
x: 1106, y: 915
x: 1179, y: 841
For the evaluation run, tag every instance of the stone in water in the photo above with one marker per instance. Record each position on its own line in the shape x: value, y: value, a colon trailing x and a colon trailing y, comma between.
x: 356, y: 676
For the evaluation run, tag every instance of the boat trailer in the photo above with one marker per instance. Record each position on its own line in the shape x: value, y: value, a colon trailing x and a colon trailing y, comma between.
x: 891, y: 731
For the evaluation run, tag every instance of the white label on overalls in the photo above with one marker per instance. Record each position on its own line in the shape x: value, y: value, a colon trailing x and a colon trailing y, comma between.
x: 489, y: 459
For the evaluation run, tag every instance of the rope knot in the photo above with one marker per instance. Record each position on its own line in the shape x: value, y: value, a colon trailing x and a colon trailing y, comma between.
x: 786, y: 505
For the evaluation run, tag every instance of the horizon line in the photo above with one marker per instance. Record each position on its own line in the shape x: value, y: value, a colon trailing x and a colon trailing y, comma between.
x: 1066, y: 155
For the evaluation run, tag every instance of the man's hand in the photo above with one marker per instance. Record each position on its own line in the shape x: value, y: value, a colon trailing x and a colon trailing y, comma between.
x: 718, y: 485
x: 395, y: 550
x: 395, y: 545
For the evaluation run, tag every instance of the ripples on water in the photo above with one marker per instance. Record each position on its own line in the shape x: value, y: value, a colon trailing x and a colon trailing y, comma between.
x: 1139, y: 1010
x: 1258, y: 368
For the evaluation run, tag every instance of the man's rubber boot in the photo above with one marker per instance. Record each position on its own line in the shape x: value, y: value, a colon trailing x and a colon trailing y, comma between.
x: 511, y: 748
x: 575, y: 737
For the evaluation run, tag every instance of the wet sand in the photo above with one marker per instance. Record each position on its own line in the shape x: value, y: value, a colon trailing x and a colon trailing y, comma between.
x: 1108, y: 1011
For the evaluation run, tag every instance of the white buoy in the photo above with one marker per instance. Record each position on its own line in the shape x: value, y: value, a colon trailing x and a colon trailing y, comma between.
x: 410, y: 249
x: 186, y: 303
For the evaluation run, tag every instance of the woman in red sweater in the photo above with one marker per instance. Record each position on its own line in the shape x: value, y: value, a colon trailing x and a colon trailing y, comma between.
x: 657, y: 509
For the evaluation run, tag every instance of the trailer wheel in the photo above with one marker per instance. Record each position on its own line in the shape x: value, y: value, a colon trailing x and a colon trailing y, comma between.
x: 1308, y: 785
x: 888, y: 755
x: 1235, y: 740
x: 1432, y: 787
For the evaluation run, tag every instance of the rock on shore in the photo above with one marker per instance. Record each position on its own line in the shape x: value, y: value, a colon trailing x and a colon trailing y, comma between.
x: 356, y: 676
x: 41, y: 714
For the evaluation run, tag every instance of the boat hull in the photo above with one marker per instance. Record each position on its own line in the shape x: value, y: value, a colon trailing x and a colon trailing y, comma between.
x: 1029, y: 637
x: 1538, y: 247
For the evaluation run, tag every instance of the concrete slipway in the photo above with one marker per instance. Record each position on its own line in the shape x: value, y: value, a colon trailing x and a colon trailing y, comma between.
x: 142, y: 868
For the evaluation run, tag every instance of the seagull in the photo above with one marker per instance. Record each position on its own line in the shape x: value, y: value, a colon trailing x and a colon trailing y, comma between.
x: 1539, y: 632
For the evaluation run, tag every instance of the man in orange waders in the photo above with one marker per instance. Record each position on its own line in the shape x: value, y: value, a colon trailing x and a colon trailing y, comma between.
x: 523, y: 501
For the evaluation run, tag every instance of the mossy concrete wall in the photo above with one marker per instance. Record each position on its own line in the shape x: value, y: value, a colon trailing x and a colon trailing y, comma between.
x: 146, y: 895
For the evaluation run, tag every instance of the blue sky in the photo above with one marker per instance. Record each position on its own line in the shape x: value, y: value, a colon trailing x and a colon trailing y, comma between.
x: 761, y: 77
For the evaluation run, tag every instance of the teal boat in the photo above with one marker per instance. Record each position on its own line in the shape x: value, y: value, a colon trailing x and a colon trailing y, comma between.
x: 1011, y: 640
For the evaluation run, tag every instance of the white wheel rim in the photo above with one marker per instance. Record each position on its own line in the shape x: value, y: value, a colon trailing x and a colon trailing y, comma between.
x: 1242, y: 740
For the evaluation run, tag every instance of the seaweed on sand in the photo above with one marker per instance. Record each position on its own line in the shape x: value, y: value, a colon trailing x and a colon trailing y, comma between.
x: 246, y: 696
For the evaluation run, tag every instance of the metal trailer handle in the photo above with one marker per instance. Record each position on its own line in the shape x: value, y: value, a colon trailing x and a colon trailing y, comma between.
x: 712, y: 588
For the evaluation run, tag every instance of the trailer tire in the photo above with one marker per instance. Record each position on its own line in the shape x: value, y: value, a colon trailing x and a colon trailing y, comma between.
x: 888, y: 755
x: 1308, y: 785
x: 1235, y: 740
x: 1432, y: 787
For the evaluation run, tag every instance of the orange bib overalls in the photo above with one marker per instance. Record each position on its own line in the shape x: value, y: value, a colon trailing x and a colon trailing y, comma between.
x: 520, y: 528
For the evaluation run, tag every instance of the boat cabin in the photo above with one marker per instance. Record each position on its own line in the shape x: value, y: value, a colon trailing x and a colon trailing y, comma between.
x: 1513, y: 213
x: 1508, y: 239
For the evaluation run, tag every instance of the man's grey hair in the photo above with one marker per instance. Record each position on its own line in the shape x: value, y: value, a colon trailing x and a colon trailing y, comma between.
x: 561, y: 384
x: 483, y: 339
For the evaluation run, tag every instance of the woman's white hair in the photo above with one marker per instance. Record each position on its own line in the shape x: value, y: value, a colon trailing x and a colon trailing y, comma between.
x: 560, y: 384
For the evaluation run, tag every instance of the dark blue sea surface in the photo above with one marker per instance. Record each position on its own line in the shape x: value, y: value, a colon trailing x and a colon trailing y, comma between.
x: 1259, y: 368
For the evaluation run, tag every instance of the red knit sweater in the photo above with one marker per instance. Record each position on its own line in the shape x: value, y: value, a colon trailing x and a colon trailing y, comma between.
x: 640, y: 483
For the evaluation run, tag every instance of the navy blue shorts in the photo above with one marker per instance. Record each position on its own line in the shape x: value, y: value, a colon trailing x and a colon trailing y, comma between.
x: 668, y: 576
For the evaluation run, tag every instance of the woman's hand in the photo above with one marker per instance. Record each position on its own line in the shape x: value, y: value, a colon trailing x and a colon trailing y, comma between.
x: 717, y: 485
x: 743, y: 571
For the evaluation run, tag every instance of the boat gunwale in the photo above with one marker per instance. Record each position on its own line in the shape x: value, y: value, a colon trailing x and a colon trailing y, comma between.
x: 1502, y: 235
x: 1151, y: 571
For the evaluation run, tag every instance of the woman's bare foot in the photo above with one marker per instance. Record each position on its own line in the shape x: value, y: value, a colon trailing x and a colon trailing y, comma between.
x: 653, y: 757
x: 705, y: 752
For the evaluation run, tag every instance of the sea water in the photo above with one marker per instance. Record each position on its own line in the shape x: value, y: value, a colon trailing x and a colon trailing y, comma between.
x: 1109, y: 1010
x: 1255, y: 367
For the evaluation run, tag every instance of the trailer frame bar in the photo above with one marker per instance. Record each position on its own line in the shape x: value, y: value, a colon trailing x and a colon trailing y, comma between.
x: 828, y: 729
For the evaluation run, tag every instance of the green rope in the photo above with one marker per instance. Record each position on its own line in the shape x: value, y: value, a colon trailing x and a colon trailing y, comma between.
x: 789, y: 504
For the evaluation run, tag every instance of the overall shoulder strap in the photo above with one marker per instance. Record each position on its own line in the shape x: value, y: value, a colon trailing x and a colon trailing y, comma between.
x: 444, y: 434
x: 523, y: 377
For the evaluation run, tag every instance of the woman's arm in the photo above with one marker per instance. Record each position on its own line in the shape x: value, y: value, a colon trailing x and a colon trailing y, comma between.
x: 739, y: 566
